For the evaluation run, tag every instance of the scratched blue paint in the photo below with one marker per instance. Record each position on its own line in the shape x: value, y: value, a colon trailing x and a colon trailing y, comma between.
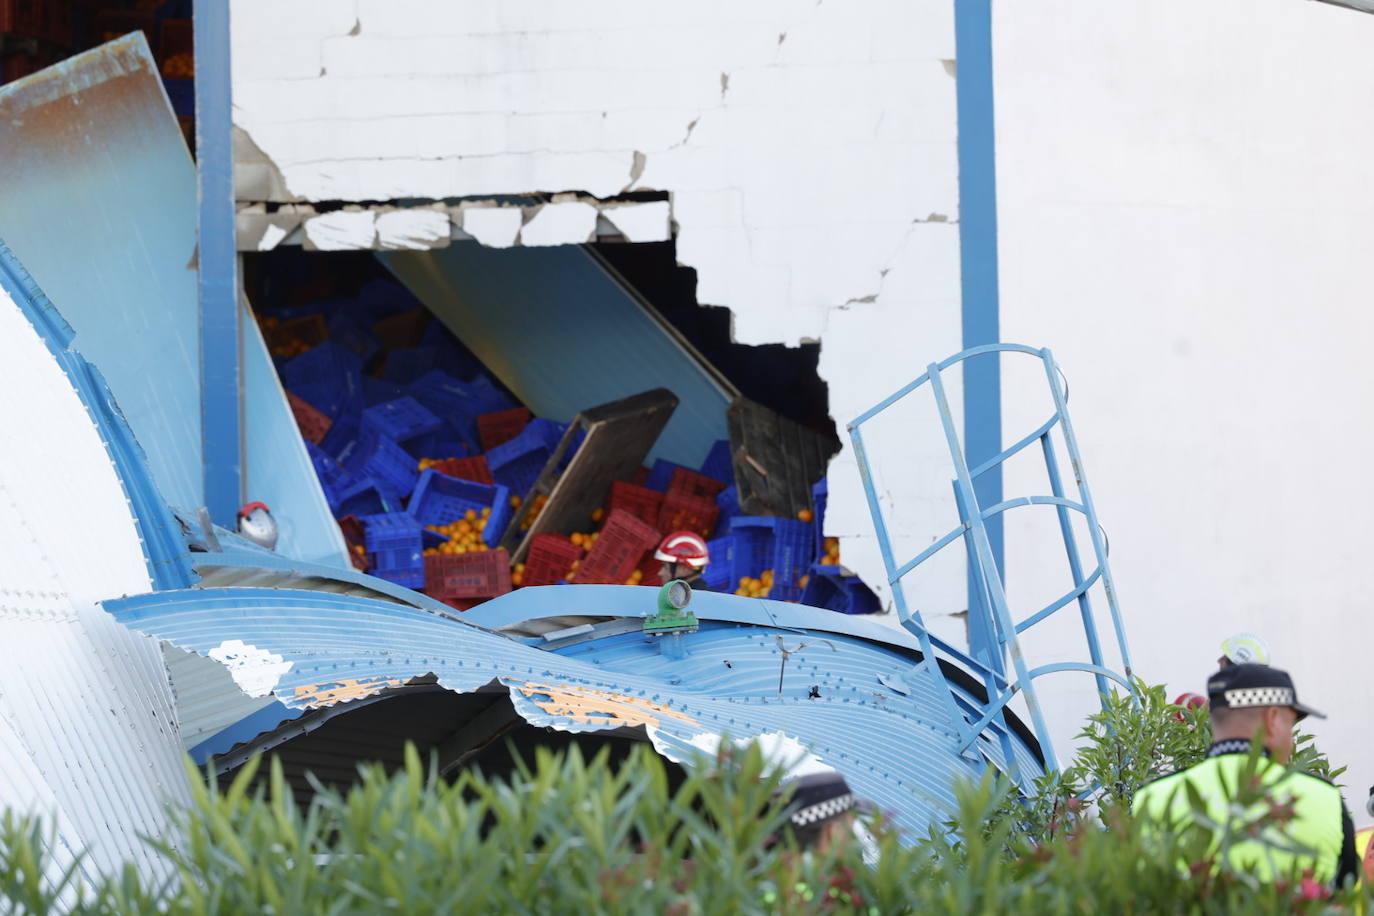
x: 862, y: 681
x: 98, y: 200
x: 220, y: 338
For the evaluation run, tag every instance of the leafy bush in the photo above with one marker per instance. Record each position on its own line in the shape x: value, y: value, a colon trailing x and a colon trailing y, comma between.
x: 568, y: 834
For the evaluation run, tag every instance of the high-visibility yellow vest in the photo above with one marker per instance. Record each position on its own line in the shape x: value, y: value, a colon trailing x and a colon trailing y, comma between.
x: 1316, y: 824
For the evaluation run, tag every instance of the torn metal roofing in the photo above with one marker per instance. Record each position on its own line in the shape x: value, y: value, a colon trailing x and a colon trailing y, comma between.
x: 841, y: 686
x: 88, y: 735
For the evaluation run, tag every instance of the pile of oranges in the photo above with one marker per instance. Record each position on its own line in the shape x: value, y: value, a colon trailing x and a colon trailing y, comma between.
x: 464, y: 535
x: 179, y: 67
x: 750, y: 587
x: 832, y: 552
x: 527, y: 522
x: 282, y: 346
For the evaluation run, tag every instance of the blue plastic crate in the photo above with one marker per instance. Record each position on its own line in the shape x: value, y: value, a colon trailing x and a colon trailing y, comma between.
x: 439, y: 499
x: 401, y: 420
x: 333, y: 479
x: 718, y: 465
x: 331, y: 374
x: 456, y: 359
x: 182, y: 94
x: 382, y: 297
x: 342, y: 435
x: 820, y: 494
x: 379, y: 391
x: 783, y: 545
x: 396, y: 547
x: 377, y: 456
x: 517, y: 464
x: 661, y: 474
x: 406, y: 364
x: 364, y: 496
x: 717, y: 574
x: 352, y: 336
x: 457, y: 403
x: 727, y: 501
x: 831, y: 589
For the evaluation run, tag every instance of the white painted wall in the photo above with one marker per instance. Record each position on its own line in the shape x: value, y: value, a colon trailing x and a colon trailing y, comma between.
x: 1184, y: 204
x: 1186, y: 211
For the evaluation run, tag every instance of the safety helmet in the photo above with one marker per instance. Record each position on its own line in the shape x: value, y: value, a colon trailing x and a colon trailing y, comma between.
x: 1245, y: 648
x: 256, y: 524
x: 683, y: 547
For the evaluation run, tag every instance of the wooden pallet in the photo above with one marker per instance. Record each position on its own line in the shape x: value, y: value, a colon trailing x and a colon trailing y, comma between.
x: 776, y: 460
x: 618, y: 437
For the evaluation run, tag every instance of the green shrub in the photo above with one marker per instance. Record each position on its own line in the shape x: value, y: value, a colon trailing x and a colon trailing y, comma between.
x: 566, y: 834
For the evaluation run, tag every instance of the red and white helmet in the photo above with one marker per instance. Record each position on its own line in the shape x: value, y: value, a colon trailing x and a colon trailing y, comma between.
x: 683, y: 547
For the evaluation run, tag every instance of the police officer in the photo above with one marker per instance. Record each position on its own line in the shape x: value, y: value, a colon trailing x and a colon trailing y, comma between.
x: 1248, y: 700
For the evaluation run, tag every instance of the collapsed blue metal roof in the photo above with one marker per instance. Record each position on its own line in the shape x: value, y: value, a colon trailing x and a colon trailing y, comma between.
x: 849, y: 691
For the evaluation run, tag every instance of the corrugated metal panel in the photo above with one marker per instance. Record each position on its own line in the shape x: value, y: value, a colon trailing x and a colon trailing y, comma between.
x: 313, y: 649
x: 207, y: 699
x: 564, y: 335
x: 86, y: 716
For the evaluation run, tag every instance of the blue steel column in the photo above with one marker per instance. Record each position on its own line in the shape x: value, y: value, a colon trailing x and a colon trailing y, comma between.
x: 978, y: 287
x: 220, y: 341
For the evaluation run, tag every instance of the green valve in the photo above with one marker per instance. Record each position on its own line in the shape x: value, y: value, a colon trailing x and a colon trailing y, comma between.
x: 672, y: 615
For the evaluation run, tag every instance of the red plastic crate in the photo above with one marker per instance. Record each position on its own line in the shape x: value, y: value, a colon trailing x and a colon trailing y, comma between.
x: 398, y: 332
x: 641, y: 502
x: 502, y: 426
x: 467, y: 575
x: 353, y: 536
x: 460, y: 604
x: 621, y: 546
x: 685, y: 511
x: 474, y: 469
x: 687, y: 481
x: 549, y: 558
x: 313, y: 424
x: 57, y: 24
x: 24, y: 17
x: 287, y: 338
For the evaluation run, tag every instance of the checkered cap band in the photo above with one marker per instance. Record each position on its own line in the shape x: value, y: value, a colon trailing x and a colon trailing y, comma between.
x: 823, y: 810
x: 1260, y: 696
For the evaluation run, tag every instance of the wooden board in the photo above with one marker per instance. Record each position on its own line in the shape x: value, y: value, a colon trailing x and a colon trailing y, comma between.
x: 618, y: 437
x: 776, y: 460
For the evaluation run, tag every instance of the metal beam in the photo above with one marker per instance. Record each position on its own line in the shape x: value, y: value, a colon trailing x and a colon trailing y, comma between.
x: 979, y: 286
x: 220, y: 339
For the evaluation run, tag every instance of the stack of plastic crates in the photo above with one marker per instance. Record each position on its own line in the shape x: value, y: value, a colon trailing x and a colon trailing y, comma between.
x: 394, y: 548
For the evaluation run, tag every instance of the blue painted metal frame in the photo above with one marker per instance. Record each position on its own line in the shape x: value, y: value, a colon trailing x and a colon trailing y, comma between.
x: 164, y: 548
x: 985, y: 569
x: 979, y: 283
x: 220, y: 335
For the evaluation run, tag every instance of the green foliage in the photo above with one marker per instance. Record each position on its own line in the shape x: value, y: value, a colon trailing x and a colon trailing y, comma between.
x: 570, y: 834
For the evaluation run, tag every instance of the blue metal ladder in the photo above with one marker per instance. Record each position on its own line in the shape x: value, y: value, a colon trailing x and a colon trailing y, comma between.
x: 989, y: 612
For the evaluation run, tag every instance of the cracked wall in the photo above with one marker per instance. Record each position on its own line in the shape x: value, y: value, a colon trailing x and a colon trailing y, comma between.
x: 807, y: 148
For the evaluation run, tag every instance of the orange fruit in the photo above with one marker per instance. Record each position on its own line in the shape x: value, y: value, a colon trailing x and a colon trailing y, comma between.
x: 806, y: 515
